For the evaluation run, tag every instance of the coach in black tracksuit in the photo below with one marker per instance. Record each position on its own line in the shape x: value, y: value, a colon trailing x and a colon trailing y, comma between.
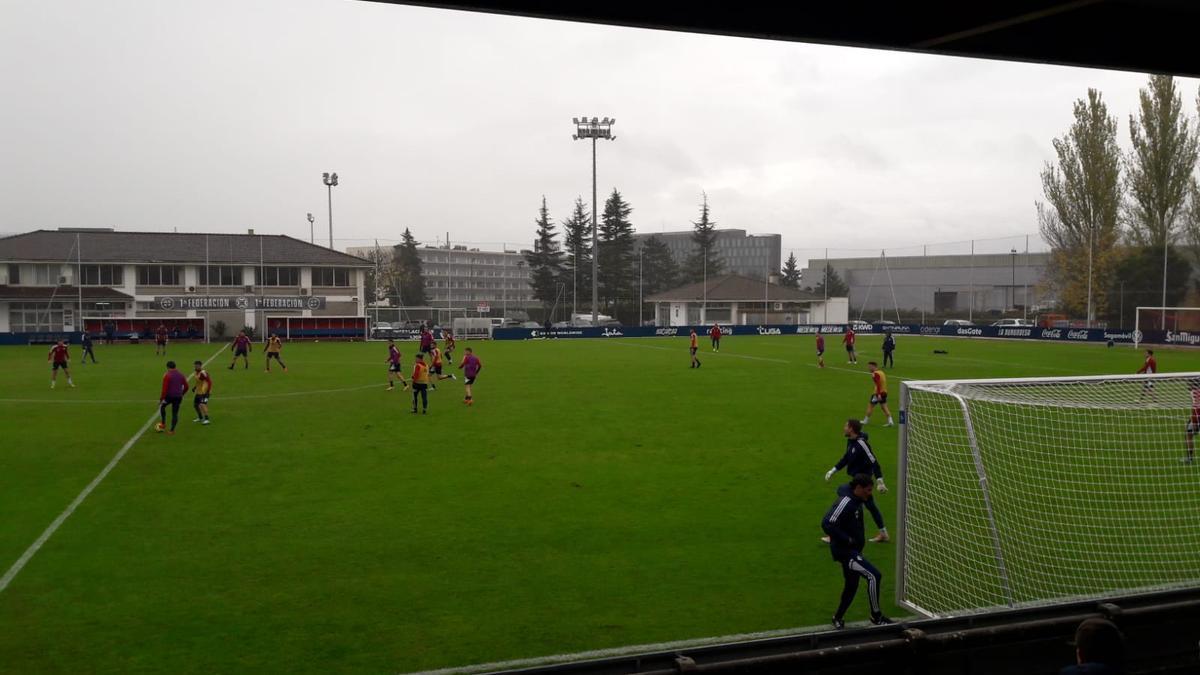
x: 860, y: 458
x: 844, y: 525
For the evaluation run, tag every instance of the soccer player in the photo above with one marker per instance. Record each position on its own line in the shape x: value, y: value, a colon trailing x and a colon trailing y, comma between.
x: 160, y: 340
x: 714, y: 334
x: 1193, y: 426
x: 202, y: 389
x: 844, y: 525
x: 1149, y: 367
x: 860, y: 459
x: 848, y: 340
x: 420, y: 385
x: 820, y: 349
x: 470, y: 366
x: 395, y: 370
x: 436, y: 369
x: 426, y: 340
x: 59, y: 356
x: 694, y: 348
x: 448, y: 338
x: 241, y: 347
x: 889, y: 346
x: 879, y: 397
x: 86, y: 344
x: 174, y: 386
x: 274, y: 347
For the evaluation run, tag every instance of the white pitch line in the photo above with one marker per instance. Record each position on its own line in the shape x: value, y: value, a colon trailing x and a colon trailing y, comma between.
x: 37, y: 544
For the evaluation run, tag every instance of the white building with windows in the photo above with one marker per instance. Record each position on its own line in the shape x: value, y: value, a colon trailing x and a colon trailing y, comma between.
x: 461, y: 278
x: 50, y: 280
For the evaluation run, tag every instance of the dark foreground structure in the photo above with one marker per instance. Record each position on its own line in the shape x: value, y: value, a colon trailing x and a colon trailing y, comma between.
x: 1161, y: 633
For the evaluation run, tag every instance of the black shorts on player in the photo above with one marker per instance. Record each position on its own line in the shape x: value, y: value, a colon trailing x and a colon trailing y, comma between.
x: 58, y: 365
x: 240, y: 352
x: 202, y: 399
x: 469, y: 380
x: 395, y: 368
x: 820, y: 352
x: 693, y: 350
x: 879, y: 399
x: 273, y: 355
x: 435, y: 370
x: 1192, y: 428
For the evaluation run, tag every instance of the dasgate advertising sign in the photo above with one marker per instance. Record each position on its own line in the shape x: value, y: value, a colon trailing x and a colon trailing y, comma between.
x: 1009, y: 332
x: 238, y: 302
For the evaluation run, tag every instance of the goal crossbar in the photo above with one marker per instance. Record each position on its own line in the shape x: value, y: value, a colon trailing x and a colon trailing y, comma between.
x: 1137, y: 319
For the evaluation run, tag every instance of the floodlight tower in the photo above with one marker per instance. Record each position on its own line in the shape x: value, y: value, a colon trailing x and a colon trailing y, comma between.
x: 330, y: 180
x: 594, y: 129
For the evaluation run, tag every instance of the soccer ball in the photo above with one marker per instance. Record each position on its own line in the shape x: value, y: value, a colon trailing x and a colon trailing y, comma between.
x: 158, y: 426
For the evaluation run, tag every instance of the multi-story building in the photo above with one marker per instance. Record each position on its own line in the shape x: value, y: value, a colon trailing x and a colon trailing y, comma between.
x: 462, y: 278
x: 51, y: 280
x: 749, y: 255
x: 939, y: 284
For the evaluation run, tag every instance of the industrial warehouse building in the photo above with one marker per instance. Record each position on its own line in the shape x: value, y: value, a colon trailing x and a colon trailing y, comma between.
x: 66, y: 280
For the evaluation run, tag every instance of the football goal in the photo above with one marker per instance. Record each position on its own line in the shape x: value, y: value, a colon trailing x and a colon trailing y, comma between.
x: 1166, y: 324
x: 1031, y: 491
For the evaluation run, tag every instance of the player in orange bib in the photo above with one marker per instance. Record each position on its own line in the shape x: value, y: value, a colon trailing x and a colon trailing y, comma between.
x: 694, y: 348
x: 879, y: 397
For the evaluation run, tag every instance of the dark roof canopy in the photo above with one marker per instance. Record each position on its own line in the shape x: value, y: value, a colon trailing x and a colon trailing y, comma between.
x: 1140, y: 35
x: 734, y: 288
x: 61, y: 292
x: 105, y: 246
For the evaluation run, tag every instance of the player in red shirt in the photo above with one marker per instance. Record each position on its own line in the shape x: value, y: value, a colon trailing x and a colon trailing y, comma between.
x: 714, y: 334
x: 848, y: 340
x: 694, y: 348
x: 820, y: 349
x: 879, y: 396
x: 59, y: 357
x: 395, y: 370
x: 1193, y: 426
x: 174, y: 386
x: 1149, y: 367
x: 450, y: 344
x: 160, y: 340
x: 241, y: 347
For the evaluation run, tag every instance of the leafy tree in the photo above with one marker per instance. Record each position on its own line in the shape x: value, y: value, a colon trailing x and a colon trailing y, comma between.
x: 577, y: 245
x: 1158, y: 177
x: 1138, y: 281
x: 617, y: 276
x: 837, y: 287
x: 408, y: 274
x: 545, y: 261
x: 791, y: 272
x: 704, y: 260
x: 659, y: 270
x: 1080, y: 216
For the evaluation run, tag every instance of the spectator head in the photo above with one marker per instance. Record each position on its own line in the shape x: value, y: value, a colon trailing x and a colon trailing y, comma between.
x: 1100, y: 641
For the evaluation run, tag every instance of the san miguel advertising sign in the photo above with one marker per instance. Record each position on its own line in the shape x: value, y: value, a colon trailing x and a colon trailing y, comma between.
x: 239, y: 302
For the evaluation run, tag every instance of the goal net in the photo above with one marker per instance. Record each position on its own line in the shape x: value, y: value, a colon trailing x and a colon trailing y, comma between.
x: 1032, y: 491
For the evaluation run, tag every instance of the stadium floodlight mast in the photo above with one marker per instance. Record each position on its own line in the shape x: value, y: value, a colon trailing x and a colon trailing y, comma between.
x: 330, y: 180
x: 594, y: 129
x: 312, y: 238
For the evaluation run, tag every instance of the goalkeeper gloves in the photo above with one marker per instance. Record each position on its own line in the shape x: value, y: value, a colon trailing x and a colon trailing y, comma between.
x: 829, y: 473
x: 880, y: 486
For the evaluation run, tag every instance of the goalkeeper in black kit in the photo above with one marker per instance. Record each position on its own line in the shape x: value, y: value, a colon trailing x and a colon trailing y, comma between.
x: 860, y: 459
x: 844, y: 525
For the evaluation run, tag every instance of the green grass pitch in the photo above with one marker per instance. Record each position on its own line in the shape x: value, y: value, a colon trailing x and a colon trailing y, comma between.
x: 600, y: 493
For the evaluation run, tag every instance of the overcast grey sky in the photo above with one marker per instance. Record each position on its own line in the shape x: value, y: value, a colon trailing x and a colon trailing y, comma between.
x: 221, y: 115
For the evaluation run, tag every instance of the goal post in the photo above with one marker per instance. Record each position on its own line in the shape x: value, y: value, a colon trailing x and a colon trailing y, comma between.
x: 1032, y: 491
x: 1164, y: 319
